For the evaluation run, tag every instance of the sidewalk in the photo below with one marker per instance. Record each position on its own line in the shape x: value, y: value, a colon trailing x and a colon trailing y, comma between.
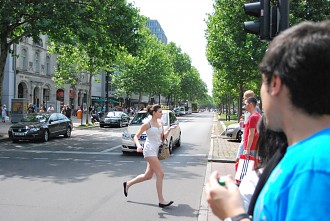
x: 5, y: 126
x: 221, y: 158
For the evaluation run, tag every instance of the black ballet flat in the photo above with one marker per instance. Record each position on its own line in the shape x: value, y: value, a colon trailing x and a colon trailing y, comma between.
x: 125, y: 192
x: 165, y: 205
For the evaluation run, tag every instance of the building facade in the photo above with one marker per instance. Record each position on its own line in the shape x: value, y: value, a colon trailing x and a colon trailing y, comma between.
x: 29, y: 75
x: 157, y: 30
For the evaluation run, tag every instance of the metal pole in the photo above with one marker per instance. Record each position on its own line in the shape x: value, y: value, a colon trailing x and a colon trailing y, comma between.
x: 284, y: 14
x: 107, y: 92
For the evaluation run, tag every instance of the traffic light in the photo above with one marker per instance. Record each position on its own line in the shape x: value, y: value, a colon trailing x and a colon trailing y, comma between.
x: 260, y: 27
x: 272, y: 18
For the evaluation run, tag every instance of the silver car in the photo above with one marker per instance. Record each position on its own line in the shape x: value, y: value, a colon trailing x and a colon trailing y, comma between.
x: 234, y: 131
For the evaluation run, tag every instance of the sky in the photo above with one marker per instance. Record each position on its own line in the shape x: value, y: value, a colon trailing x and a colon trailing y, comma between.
x: 183, y: 22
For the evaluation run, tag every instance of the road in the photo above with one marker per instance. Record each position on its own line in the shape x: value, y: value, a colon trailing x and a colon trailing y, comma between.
x: 81, y: 178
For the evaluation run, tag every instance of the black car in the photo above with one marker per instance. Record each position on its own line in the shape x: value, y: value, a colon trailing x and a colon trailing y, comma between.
x: 40, y: 126
x: 115, y: 118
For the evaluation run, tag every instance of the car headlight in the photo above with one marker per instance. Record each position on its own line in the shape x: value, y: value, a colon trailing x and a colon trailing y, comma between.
x: 125, y: 135
x: 34, y: 129
x: 230, y: 129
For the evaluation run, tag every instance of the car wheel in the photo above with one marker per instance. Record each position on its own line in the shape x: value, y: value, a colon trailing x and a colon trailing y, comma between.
x: 45, y: 137
x: 178, y: 143
x: 68, y: 132
x: 101, y: 125
x: 239, y: 135
x: 15, y: 141
x: 170, y: 146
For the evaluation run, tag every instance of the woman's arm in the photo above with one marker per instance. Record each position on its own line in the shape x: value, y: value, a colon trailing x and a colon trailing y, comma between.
x: 168, y: 131
x: 143, y: 128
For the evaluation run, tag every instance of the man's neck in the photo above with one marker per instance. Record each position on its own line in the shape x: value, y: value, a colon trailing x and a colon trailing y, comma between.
x: 303, y: 126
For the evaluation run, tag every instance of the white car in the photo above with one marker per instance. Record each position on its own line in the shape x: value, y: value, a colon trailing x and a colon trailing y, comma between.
x: 168, y: 119
x: 234, y: 131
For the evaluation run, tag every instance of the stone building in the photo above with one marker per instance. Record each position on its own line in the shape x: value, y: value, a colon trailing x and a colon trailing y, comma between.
x: 33, y: 69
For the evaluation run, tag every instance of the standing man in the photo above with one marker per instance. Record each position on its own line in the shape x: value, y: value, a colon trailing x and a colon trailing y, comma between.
x: 295, y: 66
x: 250, y: 130
x: 68, y: 111
x: 50, y: 109
x: 240, y: 150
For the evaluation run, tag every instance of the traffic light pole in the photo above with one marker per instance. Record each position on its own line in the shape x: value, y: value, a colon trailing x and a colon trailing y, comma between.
x: 284, y: 14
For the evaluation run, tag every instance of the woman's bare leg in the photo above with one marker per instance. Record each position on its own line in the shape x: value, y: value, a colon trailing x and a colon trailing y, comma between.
x: 158, y: 170
x: 142, y: 177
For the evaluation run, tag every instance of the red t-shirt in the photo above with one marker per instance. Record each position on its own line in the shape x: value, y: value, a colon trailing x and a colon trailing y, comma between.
x: 252, y: 123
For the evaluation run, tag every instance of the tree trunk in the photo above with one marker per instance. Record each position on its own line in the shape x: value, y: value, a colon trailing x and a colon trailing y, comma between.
x: 89, y: 97
x: 3, y: 58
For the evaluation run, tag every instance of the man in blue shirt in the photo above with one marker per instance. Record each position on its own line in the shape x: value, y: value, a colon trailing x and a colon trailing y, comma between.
x: 295, y: 96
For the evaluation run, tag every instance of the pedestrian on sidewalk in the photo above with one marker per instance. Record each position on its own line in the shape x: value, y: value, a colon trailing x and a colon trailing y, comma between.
x: 250, y: 130
x: 295, y: 65
x: 240, y: 150
x: 4, y: 113
x: 155, y: 134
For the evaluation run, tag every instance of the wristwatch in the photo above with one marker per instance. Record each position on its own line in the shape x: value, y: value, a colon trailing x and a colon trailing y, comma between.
x: 238, y: 217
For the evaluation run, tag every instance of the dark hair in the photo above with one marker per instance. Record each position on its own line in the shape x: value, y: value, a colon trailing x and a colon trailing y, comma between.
x: 268, y: 142
x: 153, y: 108
x: 300, y: 57
x: 252, y: 100
x: 271, y: 147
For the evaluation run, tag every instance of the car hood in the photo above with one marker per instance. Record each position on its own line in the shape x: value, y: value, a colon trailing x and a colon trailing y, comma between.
x: 133, y: 129
x: 25, y: 124
x: 233, y: 125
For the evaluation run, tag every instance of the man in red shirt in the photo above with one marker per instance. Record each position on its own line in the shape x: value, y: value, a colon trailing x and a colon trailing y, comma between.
x: 250, y: 130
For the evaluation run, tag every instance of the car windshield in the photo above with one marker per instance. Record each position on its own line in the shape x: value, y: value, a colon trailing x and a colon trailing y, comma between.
x: 35, y: 118
x: 140, y: 118
x: 114, y: 114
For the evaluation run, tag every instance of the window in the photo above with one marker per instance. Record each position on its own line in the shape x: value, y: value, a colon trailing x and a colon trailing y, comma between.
x: 24, y: 59
x: 37, y: 62
x: 47, y: 65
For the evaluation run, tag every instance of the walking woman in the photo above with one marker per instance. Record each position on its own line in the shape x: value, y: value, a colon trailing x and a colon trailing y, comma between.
x: 155, y: 134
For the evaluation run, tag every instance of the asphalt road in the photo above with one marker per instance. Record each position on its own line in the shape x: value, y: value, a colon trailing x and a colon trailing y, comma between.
x: 80, y: 178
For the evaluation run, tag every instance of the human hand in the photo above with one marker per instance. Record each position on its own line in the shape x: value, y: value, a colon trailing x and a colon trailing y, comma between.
x: 247, y: 152
x: 139, y: 149
x: 225, y: 201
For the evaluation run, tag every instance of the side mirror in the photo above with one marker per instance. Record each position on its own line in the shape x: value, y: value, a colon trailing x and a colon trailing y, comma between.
x: 51, y: 121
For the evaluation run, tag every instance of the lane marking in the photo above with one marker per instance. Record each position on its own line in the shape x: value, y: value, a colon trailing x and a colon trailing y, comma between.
x: 111, y: 149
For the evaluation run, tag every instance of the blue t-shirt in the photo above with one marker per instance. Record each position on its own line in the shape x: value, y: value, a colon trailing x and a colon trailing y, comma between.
x: 299, y: 186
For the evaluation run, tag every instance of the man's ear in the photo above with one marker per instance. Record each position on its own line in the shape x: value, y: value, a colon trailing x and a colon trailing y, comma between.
x: 275, y: 85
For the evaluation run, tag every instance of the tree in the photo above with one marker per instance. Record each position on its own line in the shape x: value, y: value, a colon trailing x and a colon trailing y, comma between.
x: 149, y: 71
x: 111, y: 21
x: 230, y: 50
x: 234, y: 54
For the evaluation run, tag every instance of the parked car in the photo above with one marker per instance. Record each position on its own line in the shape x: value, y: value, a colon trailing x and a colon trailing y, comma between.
x: 41, y: 126
x: 182, y: 111
x: 115, y: 118
x: 176, y: 111
x: 168, y: 119
x: 234, y: 131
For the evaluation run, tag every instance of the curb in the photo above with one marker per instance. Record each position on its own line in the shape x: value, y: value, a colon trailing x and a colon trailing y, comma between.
x: 204, y: 206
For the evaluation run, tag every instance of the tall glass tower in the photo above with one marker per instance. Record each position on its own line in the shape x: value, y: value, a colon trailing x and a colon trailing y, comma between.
x: 157, y: 30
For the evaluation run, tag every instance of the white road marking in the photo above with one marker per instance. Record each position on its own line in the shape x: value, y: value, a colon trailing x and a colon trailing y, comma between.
x: 40, y: 158
x: 83, y: 160
x: 111, y: 149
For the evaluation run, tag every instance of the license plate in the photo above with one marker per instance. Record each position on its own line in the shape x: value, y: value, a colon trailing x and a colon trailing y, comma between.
x: 19, y: 134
